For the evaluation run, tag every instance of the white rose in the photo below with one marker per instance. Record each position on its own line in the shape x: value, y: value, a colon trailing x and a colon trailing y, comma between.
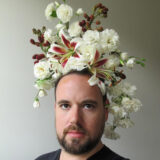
x: 80, y: 11
x: 41, y: 70
x: 36, y: 104
x: 130, y: 63
x: 91, y: 37
x: 75, y: 29
x: 42, y: 93
x: 64, y: 13
x: 124, y: 56
x: 88, y: 52
x: 49, y: 36
x: 112, y: 62
x: 48, y: 11
x: 109, y: 40
x: 60, y: 26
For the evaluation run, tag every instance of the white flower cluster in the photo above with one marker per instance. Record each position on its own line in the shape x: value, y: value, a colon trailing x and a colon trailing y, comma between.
x: 72, y: 47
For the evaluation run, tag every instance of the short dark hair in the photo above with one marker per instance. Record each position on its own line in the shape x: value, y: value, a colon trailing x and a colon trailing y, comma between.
x: 82, y: 72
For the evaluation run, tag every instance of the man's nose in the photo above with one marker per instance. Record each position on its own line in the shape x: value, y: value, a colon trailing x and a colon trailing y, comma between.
x: 75, y: 114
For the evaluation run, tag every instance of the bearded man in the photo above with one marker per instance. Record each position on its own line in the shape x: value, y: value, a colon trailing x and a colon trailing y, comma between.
x: 80, y: 116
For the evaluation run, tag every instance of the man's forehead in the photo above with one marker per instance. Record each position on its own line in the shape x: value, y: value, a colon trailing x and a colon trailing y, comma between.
x: 75, y: 82
x: 74, y: 78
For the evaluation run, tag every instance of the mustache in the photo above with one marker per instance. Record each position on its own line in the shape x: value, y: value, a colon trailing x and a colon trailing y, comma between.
x: 74, y: 127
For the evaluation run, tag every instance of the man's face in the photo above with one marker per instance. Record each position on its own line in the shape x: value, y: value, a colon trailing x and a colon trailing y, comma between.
x: 80, y: 114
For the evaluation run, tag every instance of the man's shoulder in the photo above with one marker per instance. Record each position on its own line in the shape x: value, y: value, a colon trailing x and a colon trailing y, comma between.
x: 106, y: 154
x: 112, y: 155
x: 50, y: 156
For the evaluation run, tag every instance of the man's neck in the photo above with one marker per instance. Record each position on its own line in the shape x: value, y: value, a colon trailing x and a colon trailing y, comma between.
x: 67, y: 156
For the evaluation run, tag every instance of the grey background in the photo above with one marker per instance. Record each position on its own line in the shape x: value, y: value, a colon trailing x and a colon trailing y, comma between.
x: 25, y: 132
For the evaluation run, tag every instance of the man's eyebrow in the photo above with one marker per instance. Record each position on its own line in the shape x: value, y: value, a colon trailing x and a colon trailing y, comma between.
x: 90, y: 101
x: 62, y: 101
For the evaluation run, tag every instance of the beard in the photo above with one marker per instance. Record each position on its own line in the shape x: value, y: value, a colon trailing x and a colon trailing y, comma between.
x: 75, y: 146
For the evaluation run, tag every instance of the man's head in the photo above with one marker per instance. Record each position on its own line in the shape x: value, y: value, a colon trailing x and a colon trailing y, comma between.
x: 80, y: 113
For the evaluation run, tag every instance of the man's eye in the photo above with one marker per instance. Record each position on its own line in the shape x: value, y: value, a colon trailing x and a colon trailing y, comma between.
x: 89, y: 106
x: 64, y: 106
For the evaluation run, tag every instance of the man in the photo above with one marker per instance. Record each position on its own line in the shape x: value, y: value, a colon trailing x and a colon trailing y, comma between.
x: 80, y: 119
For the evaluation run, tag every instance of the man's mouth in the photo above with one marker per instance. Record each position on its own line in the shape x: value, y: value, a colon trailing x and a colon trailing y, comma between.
x: 75, y: 134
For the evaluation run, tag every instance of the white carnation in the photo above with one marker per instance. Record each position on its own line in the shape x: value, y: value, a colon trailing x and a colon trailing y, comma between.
x: 88, y: 52
x: 41, y: 70
x: 131, y: 105
x: 64, y: 13
x: 49, y: 36
x: 55, y: 76
x: 60, y: 26
x: 75, y: 29
x: 112, y: 62
x: 91, y: 37
x: 109, y: 40
x: 48, y: 11
x: 130, y: 63
x: 74, y: 63
x: 55, y: 65
x: 80, y: 11
x: 123, y: 87
x: 125, y: 123
x: 124, y: 56
x: 110, y: 133
x: 117, y: 111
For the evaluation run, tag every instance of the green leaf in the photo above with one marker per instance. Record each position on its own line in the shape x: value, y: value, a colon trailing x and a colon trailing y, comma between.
x: 121, y: 62
x: 143, y: 59
x: 64, y: 1
x: 141, y: 63
x: 54, y: 14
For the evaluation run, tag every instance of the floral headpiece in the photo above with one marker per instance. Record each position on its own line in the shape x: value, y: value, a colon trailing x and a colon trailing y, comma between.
x: 85, y: 44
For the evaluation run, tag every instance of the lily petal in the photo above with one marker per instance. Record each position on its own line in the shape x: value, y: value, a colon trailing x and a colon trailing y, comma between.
x: 66, y: 41
x: 97, y: 55
x: 57, y: 49
x: 100, y: 63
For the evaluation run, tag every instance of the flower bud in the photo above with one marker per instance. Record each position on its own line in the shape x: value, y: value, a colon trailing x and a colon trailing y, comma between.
x: 80, y: 11
x: 32, y: 41
x: 34, y: 56
x: 98, y: 22
x: 34, y: 31
x: 36, y: 104
x: 36, y: 61
x: 42, y: 93
x: 85, y: 15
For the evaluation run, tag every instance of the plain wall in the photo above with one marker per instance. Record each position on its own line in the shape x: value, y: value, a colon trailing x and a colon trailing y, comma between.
x: 26, y: 132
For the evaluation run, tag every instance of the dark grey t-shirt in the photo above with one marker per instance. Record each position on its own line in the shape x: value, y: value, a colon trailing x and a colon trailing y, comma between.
x: 104, y: 154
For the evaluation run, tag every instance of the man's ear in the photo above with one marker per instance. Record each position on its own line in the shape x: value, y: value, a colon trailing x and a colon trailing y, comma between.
x: 106, y: 114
